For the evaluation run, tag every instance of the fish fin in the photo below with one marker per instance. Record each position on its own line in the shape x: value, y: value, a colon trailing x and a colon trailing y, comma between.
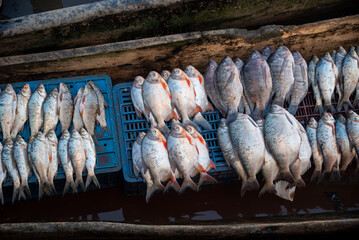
x: 198, y: 109
x: 136, y: 171
x: 15, y: 193
x: 188, y: 183
x: 231, y: 116
x: 330, y: 108
x: 93, y: 179
x: 298, y: 183
x: 174, y: 115
x: 335, y: 174
x: 201, y: 121
x: 80, y: 182
x: 285, y: 176
x: 190, y: 123
x: 69, y: 183
x: 155, y: 187
x: 249, y: 185
x: 316, y: 174
x: 138, y: 112
x: 210, y: 107
x: 27, y: 190
x: 205, y: 177
x: 267, y: 189
x: 104, y: 129
x: 1, y: 196
x: 292, y: 109
x: 211, y: 165
x: 200, y: 78
x: 60, y: 96
x: 172, y: 184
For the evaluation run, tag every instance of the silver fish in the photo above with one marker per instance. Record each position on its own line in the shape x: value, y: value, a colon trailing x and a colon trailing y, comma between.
x: 36, y: 113
x: 350, y: 77
x: 89, y: 109
x: 155, y: 155
x: 3, y: 174
x: 230, y: 89
x: 313, y: 81
x: 165, y: 74
x: 257, y: 84
x: 102, y: 105
x: 281, y: 63
x: 267, y: 51
x: 10, y: 164
x: 22, y: 112
x: 77, y: 154
x: 339, y: 57
x: 7, y: 110
x: 353, y: 133
x: 326, y: 74
x: 244, y: 106
x: 51, y: 116
x: 346, y: 147
x: 90, y: 158
x: 65, y: 106
x: 250, y: 147
x: 52, y: 145
x: 23, y: 165
x: 65, y: 161
x: 311, y: 130
x: 300, y: 87
x: 77, y: 119
x: 328, y: 144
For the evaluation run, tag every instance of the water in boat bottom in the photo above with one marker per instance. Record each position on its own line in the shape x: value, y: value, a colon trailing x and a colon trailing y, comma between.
x: 221, y: 202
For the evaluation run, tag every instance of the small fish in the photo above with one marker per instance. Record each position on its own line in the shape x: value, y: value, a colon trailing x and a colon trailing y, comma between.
x: 3, y: 174
x: 267, y: 51
x: 139, y: 166
x: 165, y: 74
x: 281, y: 63
x: 328, y: 144
x: 7, y: 110
x: 137, y: 100
x: 10, y: 164
x: 350, y: 77
x: 353, y: 133
x: 77, y: 119
x: 326, y: 75
x: 22, y: 112
x: 102, y: 105
x: 65, y: 107
x: 36, y: 113
x: 23, y: 165
x: 203, y: 154
x: 244, y: 106
x: 230, y: 89
x: 313, y: 81
x: 249, y: 144
x: 51, y: 116
x: 89, y: 109
x: 155, y: 155
x: 52, y: 145
x: 65, y: 161
x: 311, y: 130
x: 300, y: 87
x: 90, y: 158
x: 339, y: 57
x: 77, y: 154
x: 346, y: 147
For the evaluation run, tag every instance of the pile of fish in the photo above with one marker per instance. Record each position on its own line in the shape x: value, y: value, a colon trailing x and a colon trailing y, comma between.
x: 184, y: 154
x: 43, y: 152
x: 340, y: 73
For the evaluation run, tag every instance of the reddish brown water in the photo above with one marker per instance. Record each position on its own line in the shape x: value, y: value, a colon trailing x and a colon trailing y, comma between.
x: 220, y: 202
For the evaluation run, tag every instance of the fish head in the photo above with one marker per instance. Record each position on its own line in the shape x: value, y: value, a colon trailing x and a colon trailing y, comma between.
x: 9, y: 89
x: 165, y: 74
x: 64, y: 87
x: 8, y: 143
x: 178, y: 74
x: 138, y: 82
x: 153, y: 77
x: 140, y: 137
x: 65, y: 134
x: 40, y: 136
x: 191, y: 130
x: 313, y: 123
x: 26, y: 91
x: 276, y: 109
x: 353, y: 116
x: 41, y: 90
x: 54, y: 93
x: 256, y: 55
x: 328, y: 118
x: 341, y: 119
x: 315, y: 59
x: 155, y: 135
x: 298, y: 57
x: 88, y: 89
x: 84, y: 134
x: 211, y: 67
x: 75, y: 134
x: 178, y: 131
x: 353, y: 53
x: 31, y: 140
x: 239, y: 63
x: 328, y: 57
x: 282, y: 51
x: 51, y: 136
x: 227, y: 64
x: 341, y: 51
x: 191, y: 71
x: 80, y: 92
x: 20, y: 140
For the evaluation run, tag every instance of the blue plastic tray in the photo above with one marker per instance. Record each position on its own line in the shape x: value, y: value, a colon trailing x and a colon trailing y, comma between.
x: 129, y: 125
x: 108, y: 152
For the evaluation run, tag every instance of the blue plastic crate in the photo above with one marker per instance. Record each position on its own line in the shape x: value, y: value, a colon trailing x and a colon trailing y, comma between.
x: 129, y: 125
x: 108, y: 153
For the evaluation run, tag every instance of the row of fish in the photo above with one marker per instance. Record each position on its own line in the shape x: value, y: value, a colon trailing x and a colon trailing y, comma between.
x: 335, y: 143
x: 340, y: 73
x: 44, y: 111
x: 184, y: 154
x: 277, y: 146
x: 267, y: 77
x: 43, y: 154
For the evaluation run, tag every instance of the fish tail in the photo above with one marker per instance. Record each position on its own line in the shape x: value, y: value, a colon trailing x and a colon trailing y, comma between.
x: 25, y: 187
x: 104, y: 129
x: 330, y: 108
x: 270, y: 188
x: 155, y: 187
x: 210, y: 107
x: 231, y: 117
x: 318, y: 108
x: 300, y: 183
x: 1, y: 196
x: 285, y: 175
x: 69, y: 183
x: 201, y: 121
x: 335, y: 175
x: 80, y: 182
x: 52, y: 187
x: 205, y: 177
x: 21, y: 194
x: 188, y: 183
x: 95, y: 140
x: 92, y: 178
x: 257, y: 114
x: 249, y: 185
x: 292, y: 109
x: 316, y: 174
x: 172, y: 184
x: 323, y: 176
x: 190, y: 123
x: 15, y: 193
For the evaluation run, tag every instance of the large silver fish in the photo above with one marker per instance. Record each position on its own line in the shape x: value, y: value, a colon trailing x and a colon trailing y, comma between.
x: 7, y: 110
x: 102, y: 105
x: 328, y: 144
x: 65, y: 106
x: 313, y: 81
x: 300, y: 87
x: 36, y: 113
x: 77, y: 154
x: 65, y: 161
x: 257, y: 84
x: 229, y: 153
x: 311, y: 130
x: 281, y: 63
x: 52, y: 145
x: 326, y: 75
x: 249, y: 144
x: 90, y: 158
x: 230, y: 89
x: 350, y: 77
x: 353, y: 133
x: 22, y: 163
x: 89, y: 109
x: 51, y: 116
x: 22, y: 112
x: 155, y: 155
x: 3, y: 174
x: 77, y: 119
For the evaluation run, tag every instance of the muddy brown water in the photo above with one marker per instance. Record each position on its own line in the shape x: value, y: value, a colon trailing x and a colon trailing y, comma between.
x: 213, y: 203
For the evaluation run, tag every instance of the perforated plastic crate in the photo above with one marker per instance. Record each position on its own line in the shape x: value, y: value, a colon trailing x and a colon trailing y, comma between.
x: 108, y: 149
